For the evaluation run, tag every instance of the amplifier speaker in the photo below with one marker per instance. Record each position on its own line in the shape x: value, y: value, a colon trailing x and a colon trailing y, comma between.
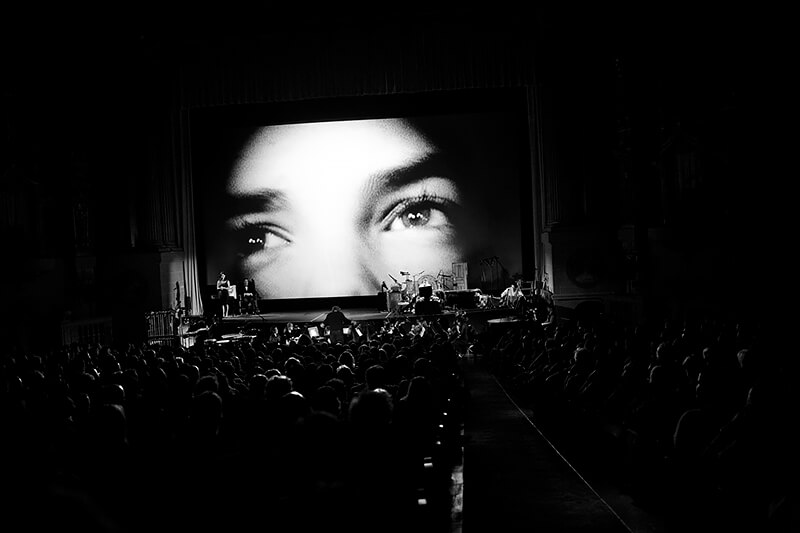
x: 383, y: 301
x: 460, y: 299
x: 423, y: 307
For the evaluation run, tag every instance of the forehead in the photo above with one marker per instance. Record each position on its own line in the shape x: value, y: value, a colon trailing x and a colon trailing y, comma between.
x: 296, y: 154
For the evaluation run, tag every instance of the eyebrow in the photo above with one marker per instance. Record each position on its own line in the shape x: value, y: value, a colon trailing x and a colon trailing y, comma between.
x: 261, y: 200
x: 396, y: 178
x: 268, y: 199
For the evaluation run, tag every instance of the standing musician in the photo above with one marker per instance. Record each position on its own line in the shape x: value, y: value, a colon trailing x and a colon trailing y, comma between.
x: 223, y: 284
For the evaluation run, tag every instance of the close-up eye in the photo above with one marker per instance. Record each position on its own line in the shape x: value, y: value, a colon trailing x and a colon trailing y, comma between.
x: 255, y: 236
x: 421, y: 214
x: 265, y: 239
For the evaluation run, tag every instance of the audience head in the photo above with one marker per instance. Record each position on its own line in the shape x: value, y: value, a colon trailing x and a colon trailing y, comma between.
x: 206, y: 415
x: 293, y: 407
x: 277, y: 387
x: 375, y: 377
x: 372, y: 408
x: 326, y: 399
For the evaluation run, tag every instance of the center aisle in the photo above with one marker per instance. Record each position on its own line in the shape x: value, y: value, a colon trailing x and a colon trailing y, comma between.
x: 514, y: 480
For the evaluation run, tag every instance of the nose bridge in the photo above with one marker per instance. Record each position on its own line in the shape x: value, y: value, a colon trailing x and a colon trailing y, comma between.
x: 338, y: 245
x: 339, y: 264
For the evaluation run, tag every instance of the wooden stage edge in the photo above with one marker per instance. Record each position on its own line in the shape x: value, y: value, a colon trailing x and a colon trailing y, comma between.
x: 310, y: 317
x: 242, y: 326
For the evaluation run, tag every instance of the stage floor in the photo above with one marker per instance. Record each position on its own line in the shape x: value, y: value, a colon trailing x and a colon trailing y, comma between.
x: 479, y: 317
x: 305, y: 316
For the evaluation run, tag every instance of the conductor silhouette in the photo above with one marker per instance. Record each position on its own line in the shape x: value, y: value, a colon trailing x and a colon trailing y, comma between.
x: 335, y: 322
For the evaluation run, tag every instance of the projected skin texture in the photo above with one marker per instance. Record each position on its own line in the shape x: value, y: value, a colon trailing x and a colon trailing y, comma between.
x: 328, y: 209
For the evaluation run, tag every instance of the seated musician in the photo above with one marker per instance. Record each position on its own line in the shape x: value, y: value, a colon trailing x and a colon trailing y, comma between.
x: 290, y: 333
x: 543, y: 305
x: 274, y: 336
x: 249, y: 296
x: 512, y: 296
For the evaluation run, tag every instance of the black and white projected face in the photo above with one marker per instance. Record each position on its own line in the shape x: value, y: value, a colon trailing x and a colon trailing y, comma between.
x: 327, y: 209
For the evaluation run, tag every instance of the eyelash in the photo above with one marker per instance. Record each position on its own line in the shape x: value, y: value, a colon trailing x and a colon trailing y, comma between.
x: 248, y: 228
x: 424, y: 200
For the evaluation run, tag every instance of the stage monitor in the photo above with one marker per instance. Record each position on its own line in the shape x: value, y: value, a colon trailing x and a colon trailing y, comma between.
x: 332, y: 198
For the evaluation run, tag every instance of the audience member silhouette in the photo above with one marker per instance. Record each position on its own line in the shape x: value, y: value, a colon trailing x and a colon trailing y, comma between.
x: 676, y: 405
x: 145, y: 433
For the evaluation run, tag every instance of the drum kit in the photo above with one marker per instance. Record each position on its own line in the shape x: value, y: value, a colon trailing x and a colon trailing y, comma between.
x: 407, y: 288
x: 411, y: 286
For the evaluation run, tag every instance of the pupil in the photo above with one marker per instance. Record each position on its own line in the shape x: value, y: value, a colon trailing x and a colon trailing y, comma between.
x: 417, y: 217
x: 255, y: 242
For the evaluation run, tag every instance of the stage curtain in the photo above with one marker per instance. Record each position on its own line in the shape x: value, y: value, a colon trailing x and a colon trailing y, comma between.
x: 334, y: 63
x: 187, y: 214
